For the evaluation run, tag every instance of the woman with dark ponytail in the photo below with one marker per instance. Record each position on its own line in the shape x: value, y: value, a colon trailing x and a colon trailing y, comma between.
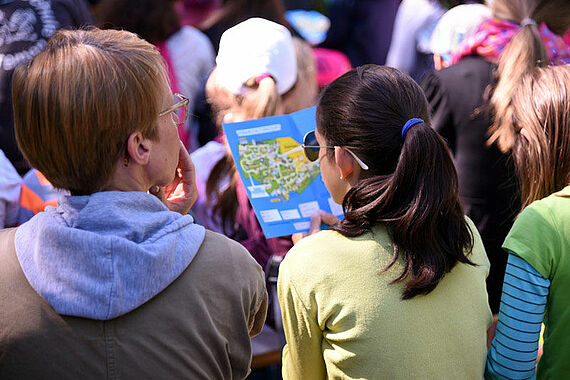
x: 397, y: 288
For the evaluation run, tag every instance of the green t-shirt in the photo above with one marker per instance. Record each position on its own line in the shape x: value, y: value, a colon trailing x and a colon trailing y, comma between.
x: 541, y: 236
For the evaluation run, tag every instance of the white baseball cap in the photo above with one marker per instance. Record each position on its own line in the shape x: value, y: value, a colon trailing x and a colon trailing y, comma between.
x: 255, y: 47
x: 455, y: 25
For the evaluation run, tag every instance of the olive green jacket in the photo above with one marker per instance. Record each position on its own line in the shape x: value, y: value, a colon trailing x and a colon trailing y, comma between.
x: 199, y: 327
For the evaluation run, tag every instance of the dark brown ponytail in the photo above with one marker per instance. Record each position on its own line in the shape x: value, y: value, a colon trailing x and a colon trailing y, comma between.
x: 411, y: 185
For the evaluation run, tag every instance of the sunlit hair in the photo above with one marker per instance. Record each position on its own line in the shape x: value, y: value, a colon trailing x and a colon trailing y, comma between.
x: 260, y: 101
x: 523, y: 53
x: 541, y: 126
x: 77, y: 102
x: 411, y: 185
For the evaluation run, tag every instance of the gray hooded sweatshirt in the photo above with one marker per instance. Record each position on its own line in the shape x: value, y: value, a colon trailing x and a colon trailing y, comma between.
x: 103, y: 255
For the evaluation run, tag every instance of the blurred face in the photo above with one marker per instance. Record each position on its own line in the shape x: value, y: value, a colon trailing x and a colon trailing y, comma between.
x: 330, y: 171
x: 165, y: 150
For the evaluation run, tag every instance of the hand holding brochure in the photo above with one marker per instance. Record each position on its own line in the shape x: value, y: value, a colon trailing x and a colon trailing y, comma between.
x: 283, y: 187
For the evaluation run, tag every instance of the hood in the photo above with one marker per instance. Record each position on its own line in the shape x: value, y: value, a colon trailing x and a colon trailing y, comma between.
x: 102, y: 255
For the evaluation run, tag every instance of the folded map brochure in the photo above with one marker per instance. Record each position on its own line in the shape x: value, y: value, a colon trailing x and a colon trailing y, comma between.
x: 283, y: 187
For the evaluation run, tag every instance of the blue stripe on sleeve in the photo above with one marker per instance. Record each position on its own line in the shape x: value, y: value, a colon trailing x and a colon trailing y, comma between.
x: 525, y: 293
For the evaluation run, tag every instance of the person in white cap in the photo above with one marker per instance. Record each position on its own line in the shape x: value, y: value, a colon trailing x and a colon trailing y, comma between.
x: 253, y: 48
x: 261, y: 71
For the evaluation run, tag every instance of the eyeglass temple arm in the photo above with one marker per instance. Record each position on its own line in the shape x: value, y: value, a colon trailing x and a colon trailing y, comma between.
x: 184, y: 101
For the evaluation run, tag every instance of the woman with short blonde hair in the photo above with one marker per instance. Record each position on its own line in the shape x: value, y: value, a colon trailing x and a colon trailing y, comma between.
x: 117, y: 281
x: 109, y: 92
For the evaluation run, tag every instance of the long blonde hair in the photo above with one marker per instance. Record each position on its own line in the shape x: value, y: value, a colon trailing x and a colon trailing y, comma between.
x: 541, y: 128
x: 262, y: 99
x: 523, y: 53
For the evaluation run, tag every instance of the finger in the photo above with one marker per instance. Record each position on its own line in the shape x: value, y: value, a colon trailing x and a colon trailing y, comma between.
x: 188, y: 174
x: 186, y: 166
x: 315, y: 225
x: 328, y: 218
x: 298, y: 236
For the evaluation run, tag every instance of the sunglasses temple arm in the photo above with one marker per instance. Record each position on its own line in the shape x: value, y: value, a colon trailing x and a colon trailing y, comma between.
x: 294, y: 150
x: 358, y: 160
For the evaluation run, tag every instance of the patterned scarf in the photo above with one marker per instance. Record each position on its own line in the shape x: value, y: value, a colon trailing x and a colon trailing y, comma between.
x: 493, y: 35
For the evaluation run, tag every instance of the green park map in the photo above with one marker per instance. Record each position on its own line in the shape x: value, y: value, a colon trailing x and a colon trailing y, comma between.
x: 279, y: 164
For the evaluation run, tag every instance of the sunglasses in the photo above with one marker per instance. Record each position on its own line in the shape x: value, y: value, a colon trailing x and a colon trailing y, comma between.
x: 179, y: 111
x: 311, y: 148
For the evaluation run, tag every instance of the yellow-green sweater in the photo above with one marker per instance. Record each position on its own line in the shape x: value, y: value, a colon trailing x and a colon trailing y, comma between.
x: 344, y: 320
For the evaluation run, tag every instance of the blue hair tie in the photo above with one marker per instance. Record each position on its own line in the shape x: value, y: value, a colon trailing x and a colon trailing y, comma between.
x: 410, y: 123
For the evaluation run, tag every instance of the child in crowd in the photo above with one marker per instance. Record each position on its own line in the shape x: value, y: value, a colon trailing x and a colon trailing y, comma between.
x: 397, y: 288
x: 261, y: 71
x: 462, y: 111
x: 536, y: 283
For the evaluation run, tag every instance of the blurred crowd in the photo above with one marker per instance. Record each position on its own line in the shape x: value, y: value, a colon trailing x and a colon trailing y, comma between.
x: 442, y: 128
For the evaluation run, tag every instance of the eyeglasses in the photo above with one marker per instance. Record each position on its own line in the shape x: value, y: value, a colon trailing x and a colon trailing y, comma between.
x: 179, y: 111
x: 311, y: 148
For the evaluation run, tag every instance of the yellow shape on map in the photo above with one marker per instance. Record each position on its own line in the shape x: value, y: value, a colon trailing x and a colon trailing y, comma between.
x: 287, y: 144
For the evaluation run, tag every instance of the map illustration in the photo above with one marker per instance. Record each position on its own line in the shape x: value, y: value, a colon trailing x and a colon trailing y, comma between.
x: 278, y: 165
x: 283, y: 187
